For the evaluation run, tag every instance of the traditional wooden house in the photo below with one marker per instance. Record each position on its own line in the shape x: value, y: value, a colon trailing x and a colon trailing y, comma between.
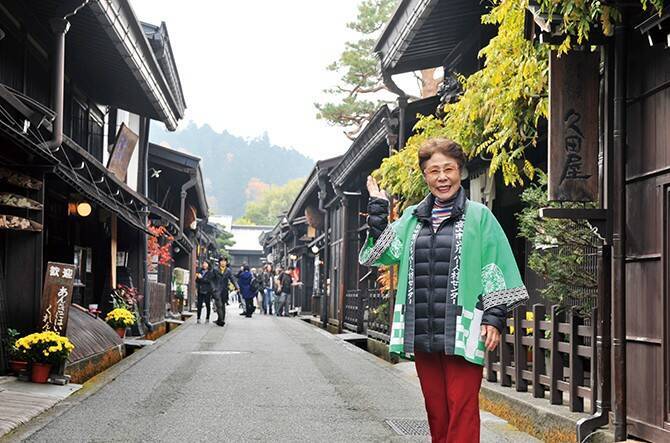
x: 626, y: 80
x: 614, y: 363
x: 176, y: 185
x: 75, y: 81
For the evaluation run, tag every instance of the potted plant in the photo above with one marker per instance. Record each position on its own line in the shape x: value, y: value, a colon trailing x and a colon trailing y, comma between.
x: 44, y: 350
x: 120, y: 319
x: 18, y: 361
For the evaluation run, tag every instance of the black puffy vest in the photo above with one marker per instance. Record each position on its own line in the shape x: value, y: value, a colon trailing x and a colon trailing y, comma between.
x: 432, y: 256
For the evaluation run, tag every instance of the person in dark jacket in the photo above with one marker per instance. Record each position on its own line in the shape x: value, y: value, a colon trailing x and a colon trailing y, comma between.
x: 244, y: 282
x: 224, y: 280
x: 285, y: 283
x: 457, y: 279
x: 205, y: 282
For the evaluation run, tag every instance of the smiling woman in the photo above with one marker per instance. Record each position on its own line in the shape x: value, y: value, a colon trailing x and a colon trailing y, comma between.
x: 457, y: 279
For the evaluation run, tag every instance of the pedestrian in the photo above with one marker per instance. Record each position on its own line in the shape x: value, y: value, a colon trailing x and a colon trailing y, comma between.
x: 244, y: 281
x: 257, y: 287
x: 205, y: 282
x: 457, y: 280
x: 239, y: 298
x: 224, y: 281
x: 268, y: 292
x: 285, y: 283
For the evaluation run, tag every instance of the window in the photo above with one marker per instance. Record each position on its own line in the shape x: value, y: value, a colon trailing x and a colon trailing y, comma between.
x: 95, y: 134
x: 79, y: 123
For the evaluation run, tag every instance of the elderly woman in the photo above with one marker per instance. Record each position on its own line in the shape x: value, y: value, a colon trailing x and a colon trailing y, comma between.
x: 457, y: 279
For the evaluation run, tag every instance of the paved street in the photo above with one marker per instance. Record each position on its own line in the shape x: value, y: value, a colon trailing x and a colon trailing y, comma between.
x: 259, y: 379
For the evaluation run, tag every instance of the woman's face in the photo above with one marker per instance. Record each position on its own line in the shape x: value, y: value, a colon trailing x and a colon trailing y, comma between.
x: 442, y: 175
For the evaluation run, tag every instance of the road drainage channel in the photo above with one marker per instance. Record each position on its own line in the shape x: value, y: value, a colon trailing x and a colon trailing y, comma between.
x: 219, y: 352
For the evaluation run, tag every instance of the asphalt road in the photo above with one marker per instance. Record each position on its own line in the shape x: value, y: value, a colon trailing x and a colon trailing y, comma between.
x: 259, y: 379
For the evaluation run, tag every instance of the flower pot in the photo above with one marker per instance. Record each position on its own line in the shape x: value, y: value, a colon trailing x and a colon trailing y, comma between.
x: 40, y: 372
x: 18, y: 366
x: 121, y: 332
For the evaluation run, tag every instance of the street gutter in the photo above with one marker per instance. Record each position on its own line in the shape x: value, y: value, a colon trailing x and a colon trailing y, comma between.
x: 89, y: 388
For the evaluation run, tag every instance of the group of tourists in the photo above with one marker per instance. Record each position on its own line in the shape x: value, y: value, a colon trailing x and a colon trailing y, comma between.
x: 268, y: 290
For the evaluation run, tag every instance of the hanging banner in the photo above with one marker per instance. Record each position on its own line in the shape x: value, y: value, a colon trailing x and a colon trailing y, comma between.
x: 574, y: 84
x: 126, y: 140
x: 56, y: 297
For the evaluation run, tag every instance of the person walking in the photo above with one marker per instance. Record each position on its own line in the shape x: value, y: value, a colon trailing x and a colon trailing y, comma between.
x: 205, y: 283
x: 224, y: 280
x: 457, y: 280
x: 244, y: 281
x: 268, y: 292
x: 257, y: 288
x: 285, y: 282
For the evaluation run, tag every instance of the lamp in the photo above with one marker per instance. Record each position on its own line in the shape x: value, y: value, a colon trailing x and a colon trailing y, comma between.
x: 315, y: 249
x: 82, y: 208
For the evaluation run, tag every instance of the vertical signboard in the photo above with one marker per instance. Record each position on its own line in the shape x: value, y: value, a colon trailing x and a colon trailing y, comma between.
x: 573, y: 126
x: 126, y: 140
x: 56, y: 297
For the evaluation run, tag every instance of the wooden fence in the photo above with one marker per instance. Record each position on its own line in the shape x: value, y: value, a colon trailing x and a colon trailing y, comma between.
x: 354, y: 307
x: 378, y: 316
x: 551, y: 352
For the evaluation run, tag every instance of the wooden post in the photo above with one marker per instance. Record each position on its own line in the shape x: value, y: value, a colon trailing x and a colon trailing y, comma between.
x: 113, y: 249
x: 556, y: 373
x: 539, y: 366
x: 520, y: 357
x: 505, y: 359
x: 576, y: 364
x: 594, y: 360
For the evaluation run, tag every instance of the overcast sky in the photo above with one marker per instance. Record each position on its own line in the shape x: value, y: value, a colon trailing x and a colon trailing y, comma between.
x: 247, y: 66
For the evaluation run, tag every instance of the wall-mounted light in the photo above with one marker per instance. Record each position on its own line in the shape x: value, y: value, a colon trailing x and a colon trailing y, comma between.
x: 82, y: 209
x: 315, y: 249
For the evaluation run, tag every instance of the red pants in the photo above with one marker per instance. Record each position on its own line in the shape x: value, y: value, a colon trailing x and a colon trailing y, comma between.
x: 450, y: 386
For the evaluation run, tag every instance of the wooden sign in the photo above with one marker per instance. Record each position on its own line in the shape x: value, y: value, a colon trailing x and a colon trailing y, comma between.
x: 126, y: 140
x: 573, y: 126
x: 56, y: 297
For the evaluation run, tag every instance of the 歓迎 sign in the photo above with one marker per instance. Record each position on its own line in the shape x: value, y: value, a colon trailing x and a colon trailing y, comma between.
x: 56, y: 297
x: 573, y: 126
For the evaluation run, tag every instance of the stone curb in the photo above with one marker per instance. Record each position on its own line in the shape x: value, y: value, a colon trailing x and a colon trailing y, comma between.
x: 89, y: 388
x: 535, y: 416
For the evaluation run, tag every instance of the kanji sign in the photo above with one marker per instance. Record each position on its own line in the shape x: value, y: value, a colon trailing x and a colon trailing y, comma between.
x: 56, y: 297
x: 573, y: 126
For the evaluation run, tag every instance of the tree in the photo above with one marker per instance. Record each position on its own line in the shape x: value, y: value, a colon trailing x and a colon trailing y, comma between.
x: 223, y: 240
x: 498, y: 113
x: 361, y: 75
x: 560, y: 249
x: 273, y: 202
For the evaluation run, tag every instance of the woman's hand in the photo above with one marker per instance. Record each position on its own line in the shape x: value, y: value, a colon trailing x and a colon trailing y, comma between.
x: 492, y: 337
x: 373, y: 189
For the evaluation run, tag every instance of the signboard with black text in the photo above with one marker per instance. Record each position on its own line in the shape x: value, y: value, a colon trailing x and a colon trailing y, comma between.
x: 56, y: 297
x: 573, y: 126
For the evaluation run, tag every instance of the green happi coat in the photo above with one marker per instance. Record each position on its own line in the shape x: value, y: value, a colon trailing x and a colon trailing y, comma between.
x: 482, y: 271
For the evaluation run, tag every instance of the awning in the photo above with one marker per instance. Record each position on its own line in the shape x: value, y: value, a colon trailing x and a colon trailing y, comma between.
x: 422, y: 33
x: 109, y: 56
x: 371, y: 139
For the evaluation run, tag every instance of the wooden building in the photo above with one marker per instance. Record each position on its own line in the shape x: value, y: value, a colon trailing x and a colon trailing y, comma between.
x: 68, y: 87
x: 176, y: 185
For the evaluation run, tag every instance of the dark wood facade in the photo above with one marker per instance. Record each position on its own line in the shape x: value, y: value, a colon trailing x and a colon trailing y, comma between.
x: 647, y: 234
x: 100, y: 90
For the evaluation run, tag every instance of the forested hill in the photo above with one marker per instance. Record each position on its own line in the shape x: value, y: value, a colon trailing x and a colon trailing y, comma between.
x: 235, y: 169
